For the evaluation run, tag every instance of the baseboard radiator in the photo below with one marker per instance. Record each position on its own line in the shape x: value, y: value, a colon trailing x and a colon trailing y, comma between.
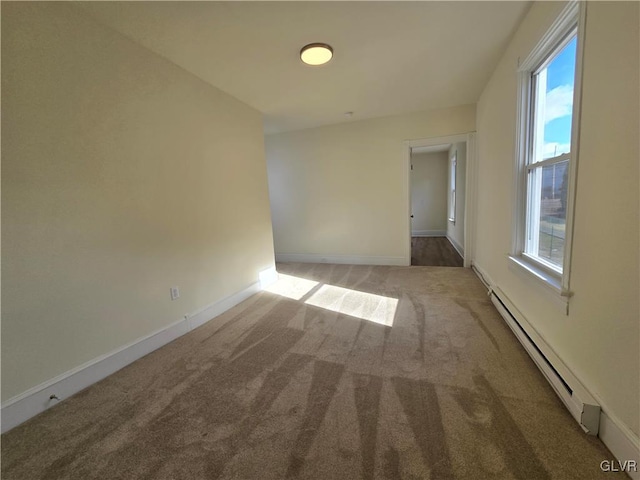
x: 583, y: 407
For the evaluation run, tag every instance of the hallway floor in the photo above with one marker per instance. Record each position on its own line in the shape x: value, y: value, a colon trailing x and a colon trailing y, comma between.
x: 434, y: 252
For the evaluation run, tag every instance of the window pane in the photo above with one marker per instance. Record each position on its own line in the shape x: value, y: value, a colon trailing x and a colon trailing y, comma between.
x: 553, y: 212
x: 554, y: 104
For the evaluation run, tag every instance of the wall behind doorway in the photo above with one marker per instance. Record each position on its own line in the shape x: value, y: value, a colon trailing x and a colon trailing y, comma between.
x: 340, y: 192
x: 429, y: 194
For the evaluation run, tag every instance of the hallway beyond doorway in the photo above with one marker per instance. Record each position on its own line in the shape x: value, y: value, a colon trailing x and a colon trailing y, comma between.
x: 434, y: 252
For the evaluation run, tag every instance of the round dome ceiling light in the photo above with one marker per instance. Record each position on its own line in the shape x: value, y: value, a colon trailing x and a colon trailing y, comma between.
x: 316, y: 53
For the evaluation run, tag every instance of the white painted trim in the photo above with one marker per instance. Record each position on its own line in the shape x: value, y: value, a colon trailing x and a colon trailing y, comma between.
x: 37, y: 399
x: 470, y: 209
x: 459, y: 248
x: 433, y: 141
x: 212, y: 310
x: 429, y: 233
x: 560, y: 27
x: 342, y: 259
x: 538, y: 280
x: 575, y: 147
x: 519, y: 200
x: 469, y: 204
x: 545, y: 278
x: 406, y: 188
x: 574, y: 13
x: 483, y: 276
x: 618, y: 438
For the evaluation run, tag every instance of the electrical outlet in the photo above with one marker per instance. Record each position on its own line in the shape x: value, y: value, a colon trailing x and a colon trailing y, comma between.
x: 175, y: 293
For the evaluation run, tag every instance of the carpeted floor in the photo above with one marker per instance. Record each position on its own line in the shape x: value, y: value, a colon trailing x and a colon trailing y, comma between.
x: 365, y: 372
x: 434, y: 252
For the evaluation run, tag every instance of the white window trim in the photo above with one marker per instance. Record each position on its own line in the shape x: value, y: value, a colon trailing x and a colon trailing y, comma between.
x: 453, y: 185
x: 573, y: 14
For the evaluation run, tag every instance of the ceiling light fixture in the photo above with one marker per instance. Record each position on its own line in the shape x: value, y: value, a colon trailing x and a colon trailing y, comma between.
x: 316, y: 53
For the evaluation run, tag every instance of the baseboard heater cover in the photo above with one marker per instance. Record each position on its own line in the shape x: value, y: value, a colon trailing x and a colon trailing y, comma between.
x: 582, y: 406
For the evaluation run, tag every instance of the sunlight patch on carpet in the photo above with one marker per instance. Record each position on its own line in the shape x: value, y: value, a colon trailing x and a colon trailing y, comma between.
x: 291, y: 287
x: 366, y: 306
x: 374, y: 308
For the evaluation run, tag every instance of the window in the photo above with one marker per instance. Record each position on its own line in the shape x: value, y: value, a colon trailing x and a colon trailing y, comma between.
x: 452, y: 187
x: 547, y: 162
x: 545, y: 175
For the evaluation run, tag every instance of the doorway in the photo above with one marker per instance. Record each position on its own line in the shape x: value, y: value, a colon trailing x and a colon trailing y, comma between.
x: 438, y: 192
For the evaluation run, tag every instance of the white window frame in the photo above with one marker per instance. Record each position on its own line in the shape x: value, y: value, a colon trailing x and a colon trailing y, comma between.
x: 571, y: 18
x: 453, y: 173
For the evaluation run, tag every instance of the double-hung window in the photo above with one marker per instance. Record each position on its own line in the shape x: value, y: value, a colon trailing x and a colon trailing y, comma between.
x: 549, y: 84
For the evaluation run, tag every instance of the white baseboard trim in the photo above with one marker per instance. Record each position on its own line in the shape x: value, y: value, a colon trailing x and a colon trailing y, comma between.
x: 482, y: 275
x: 37, y: 399
x: 459, y: 248
x: 429, y: 233
x: 620, y: 440
x: 342, y: 259
x: 211, y: 311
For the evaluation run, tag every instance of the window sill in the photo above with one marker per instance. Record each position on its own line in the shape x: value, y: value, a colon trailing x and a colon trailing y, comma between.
x: 552, y: 282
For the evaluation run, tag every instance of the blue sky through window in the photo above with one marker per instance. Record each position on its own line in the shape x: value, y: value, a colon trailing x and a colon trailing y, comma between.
x: 559, y: 101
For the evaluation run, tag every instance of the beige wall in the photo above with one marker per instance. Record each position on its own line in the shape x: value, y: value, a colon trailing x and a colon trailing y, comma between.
x: 343, y: 189
x: 123, y: 175
x: 599, y: 339
x: 455, y: 230
x: 429, y: 192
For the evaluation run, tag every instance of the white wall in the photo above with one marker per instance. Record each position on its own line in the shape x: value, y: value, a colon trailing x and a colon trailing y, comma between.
x: 429, y: 193
x: 122, y: 175
x: 600, y: 338
x: 455, y: 230
x: 342, y: 190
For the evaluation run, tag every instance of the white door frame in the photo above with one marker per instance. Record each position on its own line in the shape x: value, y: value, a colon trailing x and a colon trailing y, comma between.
x: 470, y: 190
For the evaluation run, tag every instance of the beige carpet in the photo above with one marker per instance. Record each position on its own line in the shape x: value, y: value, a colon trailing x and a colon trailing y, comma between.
x: 291, y: 388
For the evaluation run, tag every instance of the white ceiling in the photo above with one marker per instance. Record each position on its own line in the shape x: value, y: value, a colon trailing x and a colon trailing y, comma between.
x: 389, y: 57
